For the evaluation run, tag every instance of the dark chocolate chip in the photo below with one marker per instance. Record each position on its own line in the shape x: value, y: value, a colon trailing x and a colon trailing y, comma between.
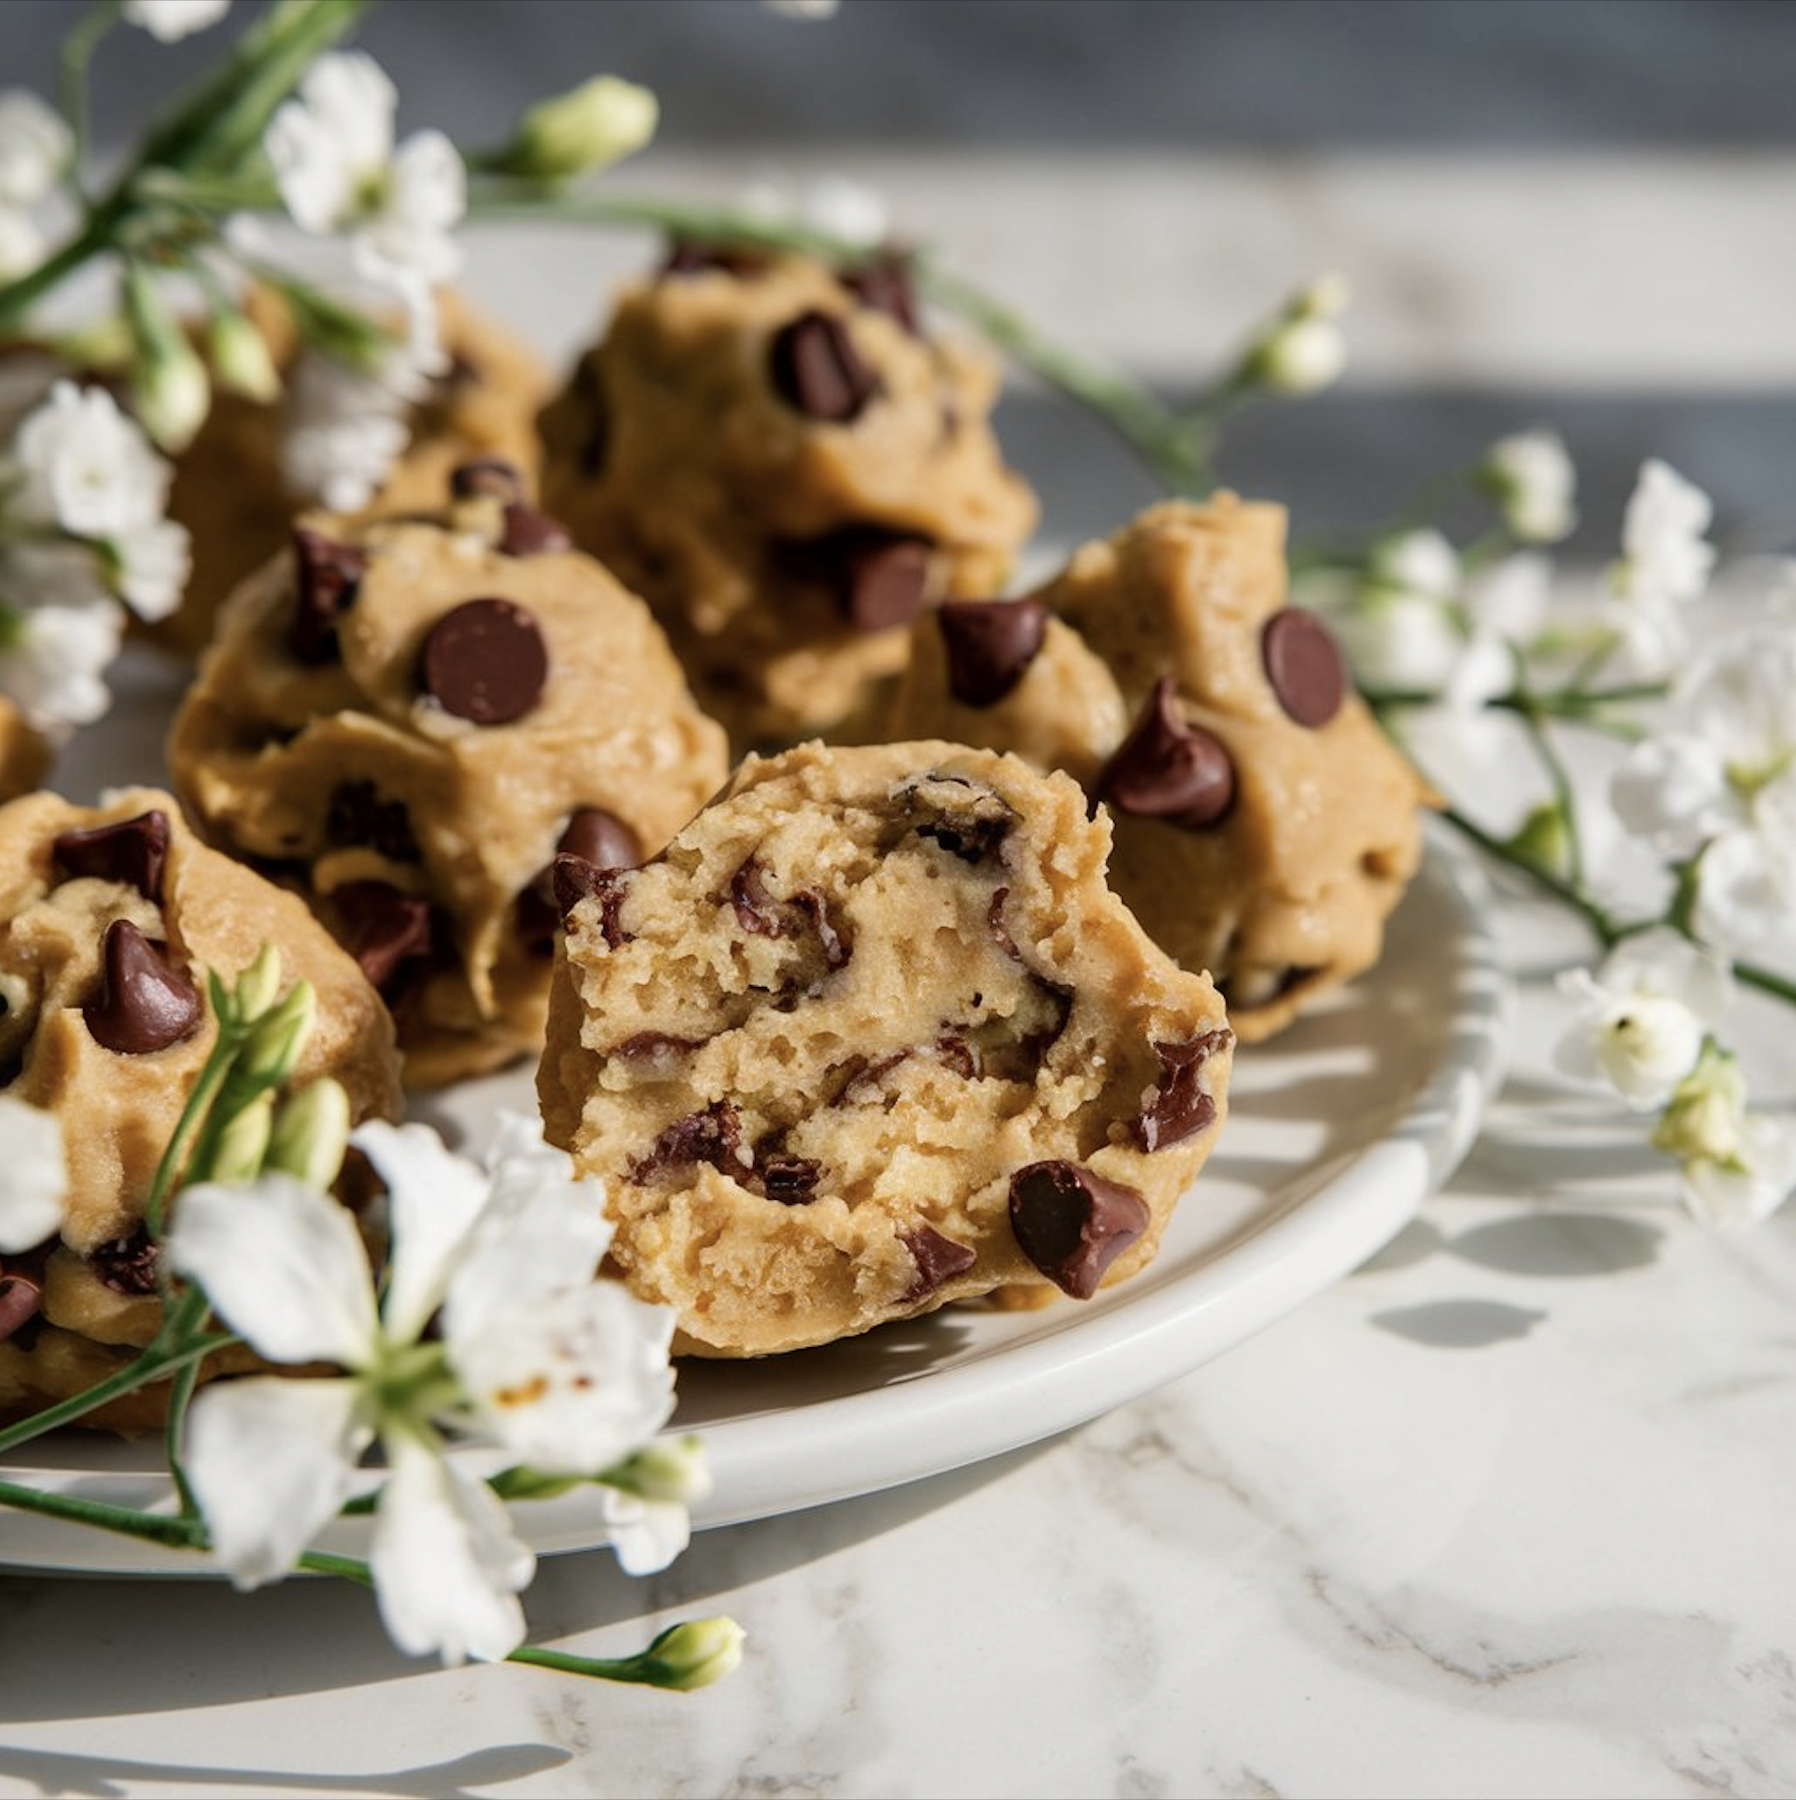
x: 576, y: 879
x: 836, y: 947
x: 938, y: 1259
x: 485, y: 661
x: 145, y: 1003
x: 601, y: 838
x: 128, y: 1264
x: 358, y: 815
x: 957, y: 1054
x: 885, y: 582
x: 1176, y: 1107
x: 885, y: 285
x: 654, y: 1046
x: 329, y: 575
x: 789, y: 1179
x: 764, y: 915
x: 990, y: 645
x: 1304, y: 666
x: 972, y: 839
x: 863, y: 1076
x: 689, y: 256
x: 1071, y: 1224
x: 386, y: 931
x: 489, y: 475
x: 1168, y: 768
x: 532, y: 533
x: 134, y: 852
x: 815, y: 367
x: 994, y: 920
x: 713, y: 1136
x: 22, y: 1287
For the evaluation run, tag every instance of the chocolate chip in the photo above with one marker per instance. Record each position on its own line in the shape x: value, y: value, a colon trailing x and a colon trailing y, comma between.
x: 990, y: 645
x: 765, y: 915
x: 938, y: 1259
x: 329, y: 576
x: 128, y: 1264
x: 145, y: 1003
x: 133, y: 852
x: 532, y: 533
x: 885, y: 285
x: 601, y: 838
x: 489, y: 475
x: 713, y: 1136
x: 885, y: 583
x: 656, y: 1046
x: 815, y: 367
x: 1304, y: 666
x: 485, y: 661
x: 1071, y: 1224
x: 22, y: 1287
x: 1167, y: 768
x: 836, y: 947
x: 994, y: 921
x: 689, y: 256
x: 971, y: 829
x: 1176, y: 1107
x: 358, y: 815
x: 957, y: 1054
x: 789, y: 1179
x: 386, y: 931
x: 862, y: 1076
x: 576, y: 879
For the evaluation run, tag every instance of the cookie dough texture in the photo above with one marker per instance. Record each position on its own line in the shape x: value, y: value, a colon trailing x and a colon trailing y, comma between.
x: 117, y: 1108
x: 782, y: 550
x: 334, y: 754
x: 230, y: 490
x: 1170, y: 631
x: 25, y: 754
x: 870, y: 1036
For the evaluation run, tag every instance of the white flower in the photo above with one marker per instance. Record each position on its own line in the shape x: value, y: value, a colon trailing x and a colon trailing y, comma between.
x: 53, y: 661
x: 1644, y: 1016
x: 803, y: 9
x: 1534, y: 482
x: 1720, y: 779
x: 36, y: 1177
x: 343, y: 433
x: 560, y: 1370
x: 833, y: 205
x: 1302, y: 356
x: 87, y: 467
x: 335, y: 162
x: 1748, y: 1184
x: 35, y: 147
x: 1399, y: 630
x: 154, y: 561
x: 21, y: 244
x: 1665, y: 565
x: 168, y: 21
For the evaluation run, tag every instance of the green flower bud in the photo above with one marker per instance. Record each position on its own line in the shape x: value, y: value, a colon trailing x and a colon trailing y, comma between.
x: 598, y: 123
x: 274, y: 1046
x: 243, y: 1143
x: 1544, y: 840
x: 1705, y: 1119
x: 241, y: 358
x: 698, y: 1653
x: 666, y: 1470
x: 170, y: 390
x: 311, y: 1133
x: 259, y: 985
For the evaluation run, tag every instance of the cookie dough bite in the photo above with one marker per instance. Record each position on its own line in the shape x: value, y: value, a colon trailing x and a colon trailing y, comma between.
x: 871, y: 1035
x: 781, y: 460
x: 25, y: 754
x: 232, y: 487
x: 109, y: 918
x: 407, y: 719
x: 1265, y: 828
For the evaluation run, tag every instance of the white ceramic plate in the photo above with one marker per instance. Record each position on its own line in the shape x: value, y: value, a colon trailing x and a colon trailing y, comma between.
x: 1338, y: 1130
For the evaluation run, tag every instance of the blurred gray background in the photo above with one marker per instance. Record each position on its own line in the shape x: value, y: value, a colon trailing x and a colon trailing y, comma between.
x: 1258, y: 115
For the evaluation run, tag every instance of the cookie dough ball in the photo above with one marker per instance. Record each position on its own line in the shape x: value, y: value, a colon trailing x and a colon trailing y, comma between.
x: 1265, y: 828
x: 872, y: 1035
x: 109, y: 919
x: 232, y: 489
x: 789, y: 469
x: 25, y: 754
x: 407, y: 719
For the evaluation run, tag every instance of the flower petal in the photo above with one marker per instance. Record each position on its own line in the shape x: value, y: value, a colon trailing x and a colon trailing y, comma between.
x: 434, y: 1198
x: 283, y: 1267
x: 270, y: 1461
x: 446, y: 1562
x: 36, y: 1175
x: 646, y: 1534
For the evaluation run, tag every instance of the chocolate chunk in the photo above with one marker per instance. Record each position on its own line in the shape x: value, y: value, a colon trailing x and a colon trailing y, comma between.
x: 957, y: 1054
x: 885, y: 285
x: 485, y: 661
x: 990, y: 645
x: 128, y: 1264
x: 133, y: 852
x: 1071, y: 1224
x: 815, y: 367
x: 1304, y: 666
x: 1176, y: 1107
x: 655, y: 1046
x: 145, y: 1003
x: 836, y: 947
x: 329, y: 576
x: 885, y: 582
x: 765, y: 915
x: 713, y: 1136
x: 689, y: 256
x: 994, y: 921
x: 22, y: 1287
x: 576, y: 879
x: 358, y: 815
x: 971, y: 835
x: 864, y: 1076
x: 601, y: 838
x: 938, y: 1259
x: 532, y: 533
x: 1167, y: 768
x: 385, y: 930
x: 789, y: 1179
x: 490, y: 475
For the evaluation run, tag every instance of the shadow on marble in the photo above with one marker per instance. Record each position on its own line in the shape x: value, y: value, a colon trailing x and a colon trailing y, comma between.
x: 59, y: 1772
x: 1460, y: 1324
x: 171, y: 1646
x: 1563, y: 1245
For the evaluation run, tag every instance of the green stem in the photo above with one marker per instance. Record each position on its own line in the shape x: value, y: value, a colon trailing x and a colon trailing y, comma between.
x: 154, y: 1528
x: 644, y: 1669
x: 1534, y: 719
x: 71, y: 73
x: 194, y: 1116
x: 148, y: 1366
